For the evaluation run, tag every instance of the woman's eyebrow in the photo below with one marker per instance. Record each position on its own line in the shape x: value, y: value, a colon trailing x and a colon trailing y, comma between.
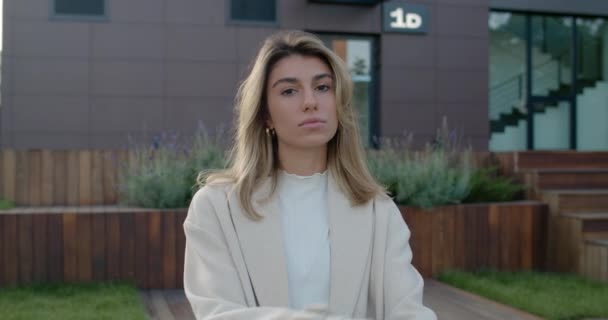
x: 321, y: 76
x: 295, y: 80
x: 288, y: 80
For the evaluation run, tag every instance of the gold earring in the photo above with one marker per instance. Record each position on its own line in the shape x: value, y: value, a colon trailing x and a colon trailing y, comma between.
x: 270, y: 132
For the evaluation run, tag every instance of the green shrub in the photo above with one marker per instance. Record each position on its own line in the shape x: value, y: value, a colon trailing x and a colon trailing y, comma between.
x: 488, y: 186
x: 442, y: 173
x: 423, y: 179
x: 6, y: 204
x: 163, y: 175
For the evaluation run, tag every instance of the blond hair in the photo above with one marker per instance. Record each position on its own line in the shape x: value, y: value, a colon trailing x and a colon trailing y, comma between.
x: 254, y: 154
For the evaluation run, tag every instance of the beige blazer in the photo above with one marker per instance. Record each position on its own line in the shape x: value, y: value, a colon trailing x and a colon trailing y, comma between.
x: 235, y: 268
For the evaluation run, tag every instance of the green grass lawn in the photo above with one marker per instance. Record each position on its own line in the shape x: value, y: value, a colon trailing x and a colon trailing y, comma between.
x: 66, y: 302
x: 548, y: 295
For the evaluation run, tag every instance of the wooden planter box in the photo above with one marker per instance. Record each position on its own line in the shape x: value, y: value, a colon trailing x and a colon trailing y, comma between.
x: 146, y: 246
x: 81, y: 244
x: 505, y: 236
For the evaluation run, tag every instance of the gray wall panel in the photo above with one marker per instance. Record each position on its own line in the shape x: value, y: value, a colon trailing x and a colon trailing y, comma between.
x: 409, y: 117
x: 151, y: 11
x: 126, y: 77
x: 414, y: 51
x: 408, y: 84
x: 463, y: 53
x: 203, y: 43
x: 200, y: 12
x: 454, y: 85
x: 59, y: 39
x: 470, y: 21
x: 111, y: 114
x: 186, y: 113
x: 201, y: 79
x: 51, y: 113
x: 50, y: 76
x: 119, y: 40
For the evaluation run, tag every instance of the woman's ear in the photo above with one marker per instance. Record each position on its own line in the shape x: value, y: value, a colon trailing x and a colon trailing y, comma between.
x: 268, y: 121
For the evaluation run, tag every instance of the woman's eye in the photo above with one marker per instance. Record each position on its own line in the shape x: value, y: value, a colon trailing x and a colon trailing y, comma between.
x: 323, y: 87
x: 288, y: 92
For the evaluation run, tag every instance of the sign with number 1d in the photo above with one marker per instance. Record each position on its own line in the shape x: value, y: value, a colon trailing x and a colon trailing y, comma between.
x: 401, y: 17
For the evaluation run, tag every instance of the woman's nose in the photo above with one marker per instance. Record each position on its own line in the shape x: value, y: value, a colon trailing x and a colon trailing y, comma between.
x: 310, y: 100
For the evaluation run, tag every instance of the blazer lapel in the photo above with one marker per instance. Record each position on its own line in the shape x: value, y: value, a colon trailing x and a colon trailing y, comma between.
x: 351, y: 230
x: 262, y: 246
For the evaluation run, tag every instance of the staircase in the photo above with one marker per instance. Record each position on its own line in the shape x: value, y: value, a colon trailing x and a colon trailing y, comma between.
x: 551, y: 77
x: 575, y: 185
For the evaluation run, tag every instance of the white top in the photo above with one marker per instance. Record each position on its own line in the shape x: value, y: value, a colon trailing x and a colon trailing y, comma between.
x: 304, y: 213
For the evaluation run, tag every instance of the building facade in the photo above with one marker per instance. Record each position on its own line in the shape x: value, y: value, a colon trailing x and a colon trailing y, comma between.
x: 82, y: 74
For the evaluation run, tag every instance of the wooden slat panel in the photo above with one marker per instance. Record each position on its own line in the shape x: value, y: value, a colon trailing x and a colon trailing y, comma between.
x: 26, y: 250
x: 8, y: 178
x: 10, y: 253
x: 97, y: 177
x: 110, y: 163
x: 495, y: 230
x: 113, y: 245
x: 46, y: 184
x: 141, y: 249
x: 2, y: 242
x: 55, y: 248
x: 459, y: 239
x: 85, y: 188
x: 22, y: 190
x: 470, y: 239
x: 504, y: 239
x: 84, y: 247
x: 34, y: 176
x: 60, y: 177
x: 127, y: 240
x: 438, y: 241
x: 527, y: 232
x: 154, y: 250
x: 73, y: 180
x: 168, y: 257
x: 2, y: 174
x: 99, y: 233
x: 70, y: 247
x: 40, y: 226
x: 483, y: 225
x: 180, y: 237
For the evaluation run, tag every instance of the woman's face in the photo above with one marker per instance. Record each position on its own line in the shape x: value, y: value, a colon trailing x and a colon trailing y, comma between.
x: 302, y: 102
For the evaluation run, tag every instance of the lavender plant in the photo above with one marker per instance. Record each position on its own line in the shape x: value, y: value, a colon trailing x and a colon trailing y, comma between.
x: 163, y: 174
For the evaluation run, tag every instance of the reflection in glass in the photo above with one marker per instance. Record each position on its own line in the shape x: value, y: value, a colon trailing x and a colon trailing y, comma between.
x: 592, y: 89
x: 357, y: 53
x: 507, y: 110
x: 552, y: 126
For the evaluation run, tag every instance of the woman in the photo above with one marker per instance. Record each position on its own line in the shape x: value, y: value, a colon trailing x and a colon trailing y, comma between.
x: 296, y: 227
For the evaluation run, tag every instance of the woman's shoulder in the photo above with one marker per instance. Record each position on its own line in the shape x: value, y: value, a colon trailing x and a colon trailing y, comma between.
x: 212, y: 192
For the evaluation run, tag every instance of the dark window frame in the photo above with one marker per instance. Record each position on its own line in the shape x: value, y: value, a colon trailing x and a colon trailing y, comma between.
x: 78, y: 17
x: 260, y: 23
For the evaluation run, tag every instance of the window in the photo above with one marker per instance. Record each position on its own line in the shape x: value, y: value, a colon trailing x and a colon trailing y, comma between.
x: 254, y: 11
x: 358, y: 53
x: 80, y: 7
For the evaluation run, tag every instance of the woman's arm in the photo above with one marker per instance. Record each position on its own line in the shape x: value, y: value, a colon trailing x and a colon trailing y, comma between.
x: 211, y: 281
x: 403, y: 285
